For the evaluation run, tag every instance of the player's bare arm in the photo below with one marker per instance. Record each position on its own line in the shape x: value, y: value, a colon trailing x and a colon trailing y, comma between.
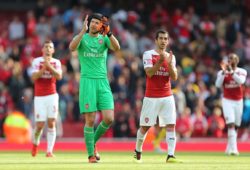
x: 172, y: 69
x: 57, y: 74
x: 38, y: 74
x: 74, y: 43
x: 105, y: 30
x: 223, y: 66
x: 114, y: 44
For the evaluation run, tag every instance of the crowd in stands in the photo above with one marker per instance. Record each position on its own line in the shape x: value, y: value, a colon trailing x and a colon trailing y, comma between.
x: 199, y: 40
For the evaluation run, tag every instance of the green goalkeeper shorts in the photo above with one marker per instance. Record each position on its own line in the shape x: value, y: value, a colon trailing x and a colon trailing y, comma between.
x: 95, y: 95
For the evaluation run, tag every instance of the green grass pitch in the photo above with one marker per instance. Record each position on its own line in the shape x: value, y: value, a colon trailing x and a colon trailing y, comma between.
x: 123, y: 161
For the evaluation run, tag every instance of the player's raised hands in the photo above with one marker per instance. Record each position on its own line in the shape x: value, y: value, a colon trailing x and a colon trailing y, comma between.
x: 166, y: 56
x: 43, y: 67
x: 74, y: 43
x: 225, y: 66
x: 85, y: 24
x: 47, y: 63
x: 163, y: 55
x: 105, y: 26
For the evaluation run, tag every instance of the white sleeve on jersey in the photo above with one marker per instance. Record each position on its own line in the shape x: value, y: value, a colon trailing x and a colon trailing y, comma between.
x: 147, y: 60
x: 173, y: 61
x: 219, y: 79
x: 240, y: 76
x: 58, y: 66
x: 35, y: 66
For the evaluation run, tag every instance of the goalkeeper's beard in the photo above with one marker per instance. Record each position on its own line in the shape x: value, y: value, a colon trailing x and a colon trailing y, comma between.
x: 96, y: 32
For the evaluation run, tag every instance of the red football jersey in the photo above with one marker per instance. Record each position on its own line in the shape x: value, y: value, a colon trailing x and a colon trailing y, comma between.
x: 159, y: 84
x: 46, y: 84
x: 231, y: 89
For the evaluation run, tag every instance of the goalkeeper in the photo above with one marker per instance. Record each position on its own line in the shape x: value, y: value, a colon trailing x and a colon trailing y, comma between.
x: 92, y: 44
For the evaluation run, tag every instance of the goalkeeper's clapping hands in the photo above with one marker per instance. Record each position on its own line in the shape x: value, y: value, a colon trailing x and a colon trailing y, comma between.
x: 105, y: 29
x: 85, y: 25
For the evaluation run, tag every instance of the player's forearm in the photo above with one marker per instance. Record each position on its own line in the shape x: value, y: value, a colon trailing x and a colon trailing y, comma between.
x: 75, y: 42
x: 57, y: 74
x: 36, y: 75
x: 152, y: 70
x: 173, y: 72
x: 114, y: 43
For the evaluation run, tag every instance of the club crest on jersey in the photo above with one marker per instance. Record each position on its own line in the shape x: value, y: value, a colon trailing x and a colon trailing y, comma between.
x: 86, y: 106
x: 100, y: 41
x: 146, y: 119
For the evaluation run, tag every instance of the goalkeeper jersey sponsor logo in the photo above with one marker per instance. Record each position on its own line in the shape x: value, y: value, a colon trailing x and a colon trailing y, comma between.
x: 89, y: 54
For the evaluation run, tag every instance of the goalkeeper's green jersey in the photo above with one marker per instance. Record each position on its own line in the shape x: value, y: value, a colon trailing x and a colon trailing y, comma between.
x: 92, y: 54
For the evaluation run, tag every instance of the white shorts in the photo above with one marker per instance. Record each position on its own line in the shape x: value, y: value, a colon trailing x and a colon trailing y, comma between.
x: 232, y: 111
x: 46, y: 107
x: 163, y: 108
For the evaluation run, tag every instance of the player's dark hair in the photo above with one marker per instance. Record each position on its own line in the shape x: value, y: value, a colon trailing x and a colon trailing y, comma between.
x: 48, y: 41
x: 96, y: 16
x: 161, y: 31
